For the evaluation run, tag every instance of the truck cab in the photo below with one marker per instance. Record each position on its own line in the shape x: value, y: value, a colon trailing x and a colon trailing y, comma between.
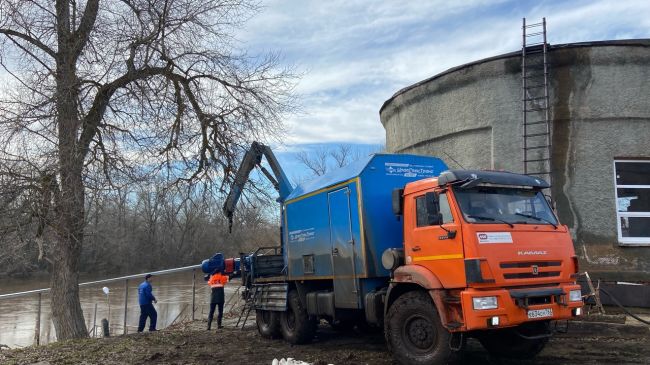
x: 488, y: 250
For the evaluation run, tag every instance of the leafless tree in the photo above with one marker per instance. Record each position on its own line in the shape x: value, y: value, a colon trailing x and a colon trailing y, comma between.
x: 124, y: 89
x: 316, y: 162
x: 342, y: 155
x: 326, y: 158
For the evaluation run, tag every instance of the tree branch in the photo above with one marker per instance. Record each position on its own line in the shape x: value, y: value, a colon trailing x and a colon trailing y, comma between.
x: 82, y: 34
x: 32, y: 40
x: 103, y: 97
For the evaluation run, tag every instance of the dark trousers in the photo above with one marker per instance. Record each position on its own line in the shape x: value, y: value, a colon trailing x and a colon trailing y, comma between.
x: 211, y: 314
x: 147, y: 310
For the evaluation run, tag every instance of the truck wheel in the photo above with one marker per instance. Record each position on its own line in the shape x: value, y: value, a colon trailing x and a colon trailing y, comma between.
x: 414, y: 332
x: 268, y: 323
x: 507, y: 343
x: 296, y: 326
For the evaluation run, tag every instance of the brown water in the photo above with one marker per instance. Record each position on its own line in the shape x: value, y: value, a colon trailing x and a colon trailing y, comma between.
x: 173, y: 291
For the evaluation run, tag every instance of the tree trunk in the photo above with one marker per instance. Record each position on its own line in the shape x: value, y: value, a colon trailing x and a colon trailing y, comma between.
x: 66, y: 312
x: 67, y: 315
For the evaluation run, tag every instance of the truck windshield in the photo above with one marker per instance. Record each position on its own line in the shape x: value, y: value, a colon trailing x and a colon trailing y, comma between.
x: 509, y: 205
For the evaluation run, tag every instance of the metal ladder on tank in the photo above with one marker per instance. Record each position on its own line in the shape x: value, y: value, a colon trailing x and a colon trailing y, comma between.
x: 535, y: 101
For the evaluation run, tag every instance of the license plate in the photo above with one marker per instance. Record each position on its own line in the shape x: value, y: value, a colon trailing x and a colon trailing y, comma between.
x: 540, y: 313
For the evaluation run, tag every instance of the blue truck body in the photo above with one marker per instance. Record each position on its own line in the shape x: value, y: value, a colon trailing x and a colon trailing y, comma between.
x: 338, y: 225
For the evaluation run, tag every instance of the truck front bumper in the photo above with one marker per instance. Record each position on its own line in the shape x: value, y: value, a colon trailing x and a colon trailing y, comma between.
x: 517, y: 306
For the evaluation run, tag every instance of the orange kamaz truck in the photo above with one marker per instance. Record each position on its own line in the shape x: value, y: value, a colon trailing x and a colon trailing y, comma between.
x: 429, y: 255
x: 484, y: 256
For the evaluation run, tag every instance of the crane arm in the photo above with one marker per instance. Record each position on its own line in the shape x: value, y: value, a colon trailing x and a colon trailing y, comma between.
x: 252, y: 158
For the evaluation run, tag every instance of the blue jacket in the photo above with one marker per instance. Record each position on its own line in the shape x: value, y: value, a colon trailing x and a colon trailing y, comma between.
x: 144, y: 293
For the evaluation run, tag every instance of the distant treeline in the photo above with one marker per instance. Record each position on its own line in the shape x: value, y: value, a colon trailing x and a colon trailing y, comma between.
x: 131, y: 230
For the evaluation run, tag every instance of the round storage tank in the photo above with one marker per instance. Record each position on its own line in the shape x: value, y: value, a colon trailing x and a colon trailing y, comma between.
x: 599, y: 98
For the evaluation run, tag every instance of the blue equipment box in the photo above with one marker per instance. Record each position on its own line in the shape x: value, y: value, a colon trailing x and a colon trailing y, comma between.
x: 338, y: 225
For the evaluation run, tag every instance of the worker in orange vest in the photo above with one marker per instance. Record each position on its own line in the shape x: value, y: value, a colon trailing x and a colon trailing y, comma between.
x: 217, y: 296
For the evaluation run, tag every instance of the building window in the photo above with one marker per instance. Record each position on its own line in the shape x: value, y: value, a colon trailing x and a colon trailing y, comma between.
x: 633, y: 201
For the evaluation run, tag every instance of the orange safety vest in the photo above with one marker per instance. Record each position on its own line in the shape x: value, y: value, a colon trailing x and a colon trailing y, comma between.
x: 217, y: 280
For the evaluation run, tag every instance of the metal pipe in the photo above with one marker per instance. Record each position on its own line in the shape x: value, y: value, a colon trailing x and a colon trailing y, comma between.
x: 108, y: 300
x: 95, y: 321
x: 37, y: 332
x: 126, y: 301
x: 193, y: 292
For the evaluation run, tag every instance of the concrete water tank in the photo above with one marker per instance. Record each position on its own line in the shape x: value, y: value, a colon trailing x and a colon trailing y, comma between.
x: 471, y: 117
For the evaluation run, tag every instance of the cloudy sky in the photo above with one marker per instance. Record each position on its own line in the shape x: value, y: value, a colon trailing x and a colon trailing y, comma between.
x: 355, y: 54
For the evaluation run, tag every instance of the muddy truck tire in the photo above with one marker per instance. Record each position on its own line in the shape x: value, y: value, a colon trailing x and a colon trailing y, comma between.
x: 295, y: 324
x: 268, y: 323
x: 507, y: 343
x: 414, y: 332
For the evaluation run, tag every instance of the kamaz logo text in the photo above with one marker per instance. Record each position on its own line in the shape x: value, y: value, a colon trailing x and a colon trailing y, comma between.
x: 530, y: 253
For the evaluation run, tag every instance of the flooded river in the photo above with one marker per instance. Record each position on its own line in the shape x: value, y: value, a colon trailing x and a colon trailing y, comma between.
x: 173, y: 291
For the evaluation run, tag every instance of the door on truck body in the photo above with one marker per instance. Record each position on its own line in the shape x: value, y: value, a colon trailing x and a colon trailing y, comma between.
x: 431, y: 247
x: 343, y: 249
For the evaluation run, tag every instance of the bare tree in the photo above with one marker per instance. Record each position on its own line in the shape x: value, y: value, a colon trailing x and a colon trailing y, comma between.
x: 316, y: 162
x: 343, y: 155
x: 324, y: 159
x: 126, y: 89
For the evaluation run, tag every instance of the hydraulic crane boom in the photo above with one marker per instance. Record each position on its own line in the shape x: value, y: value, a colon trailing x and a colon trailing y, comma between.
x: 252, y: 158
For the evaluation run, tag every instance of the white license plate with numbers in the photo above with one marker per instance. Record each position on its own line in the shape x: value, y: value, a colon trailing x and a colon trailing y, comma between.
x: 540, y: 313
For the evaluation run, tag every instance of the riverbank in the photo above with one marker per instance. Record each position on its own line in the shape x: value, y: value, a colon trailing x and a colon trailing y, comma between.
x: 18, y: 315
x: 190, y: 343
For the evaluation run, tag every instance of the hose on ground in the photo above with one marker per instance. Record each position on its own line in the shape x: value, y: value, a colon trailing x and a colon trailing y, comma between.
x: 623, y: 308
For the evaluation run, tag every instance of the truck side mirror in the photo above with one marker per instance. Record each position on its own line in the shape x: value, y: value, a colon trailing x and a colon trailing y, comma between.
x: 398, y: 202
x: 434, y: 217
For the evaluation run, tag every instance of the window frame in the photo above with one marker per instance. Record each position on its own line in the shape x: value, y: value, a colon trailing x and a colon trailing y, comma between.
x: 451, y: 214
x: 417, y: 216
x: 628, y: 241
x: 417, y: 212
x: 542, y: 201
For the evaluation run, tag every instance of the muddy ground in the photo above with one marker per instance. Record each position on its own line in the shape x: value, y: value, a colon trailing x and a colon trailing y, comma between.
x: 190, y: 343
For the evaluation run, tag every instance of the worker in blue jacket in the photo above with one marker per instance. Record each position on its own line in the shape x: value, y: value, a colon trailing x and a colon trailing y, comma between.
x: 145, y: 297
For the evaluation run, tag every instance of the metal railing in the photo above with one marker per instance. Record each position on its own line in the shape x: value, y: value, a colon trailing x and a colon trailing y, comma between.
x: 126, y: 279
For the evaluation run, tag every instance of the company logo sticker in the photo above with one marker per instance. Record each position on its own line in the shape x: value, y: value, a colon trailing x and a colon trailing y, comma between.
x: 494, y: 237
x: 408, y: 170
x: 302, y: 235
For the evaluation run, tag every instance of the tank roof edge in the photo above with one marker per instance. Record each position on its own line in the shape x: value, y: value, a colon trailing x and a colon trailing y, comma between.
x: 642, y: 42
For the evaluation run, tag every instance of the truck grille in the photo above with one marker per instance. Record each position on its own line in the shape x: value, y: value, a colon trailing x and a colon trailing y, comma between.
x: 524, y: 264
x: 523, y: 275
x: 531, y: 269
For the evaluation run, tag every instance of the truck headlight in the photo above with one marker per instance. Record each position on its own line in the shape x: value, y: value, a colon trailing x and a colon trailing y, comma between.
x: 575, y: 295
x: 481, y: 303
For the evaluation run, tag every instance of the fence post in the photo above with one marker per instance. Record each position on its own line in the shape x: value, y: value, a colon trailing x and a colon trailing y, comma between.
x: 37, y: 333
x: 95, y: 322
x: 193, y: 292
x: 126, y: 301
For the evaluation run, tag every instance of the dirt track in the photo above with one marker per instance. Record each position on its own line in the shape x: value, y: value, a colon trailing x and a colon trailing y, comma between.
x: 586, y: 343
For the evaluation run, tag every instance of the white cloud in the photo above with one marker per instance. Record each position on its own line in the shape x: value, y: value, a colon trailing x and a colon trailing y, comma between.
x: 357, y: 54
